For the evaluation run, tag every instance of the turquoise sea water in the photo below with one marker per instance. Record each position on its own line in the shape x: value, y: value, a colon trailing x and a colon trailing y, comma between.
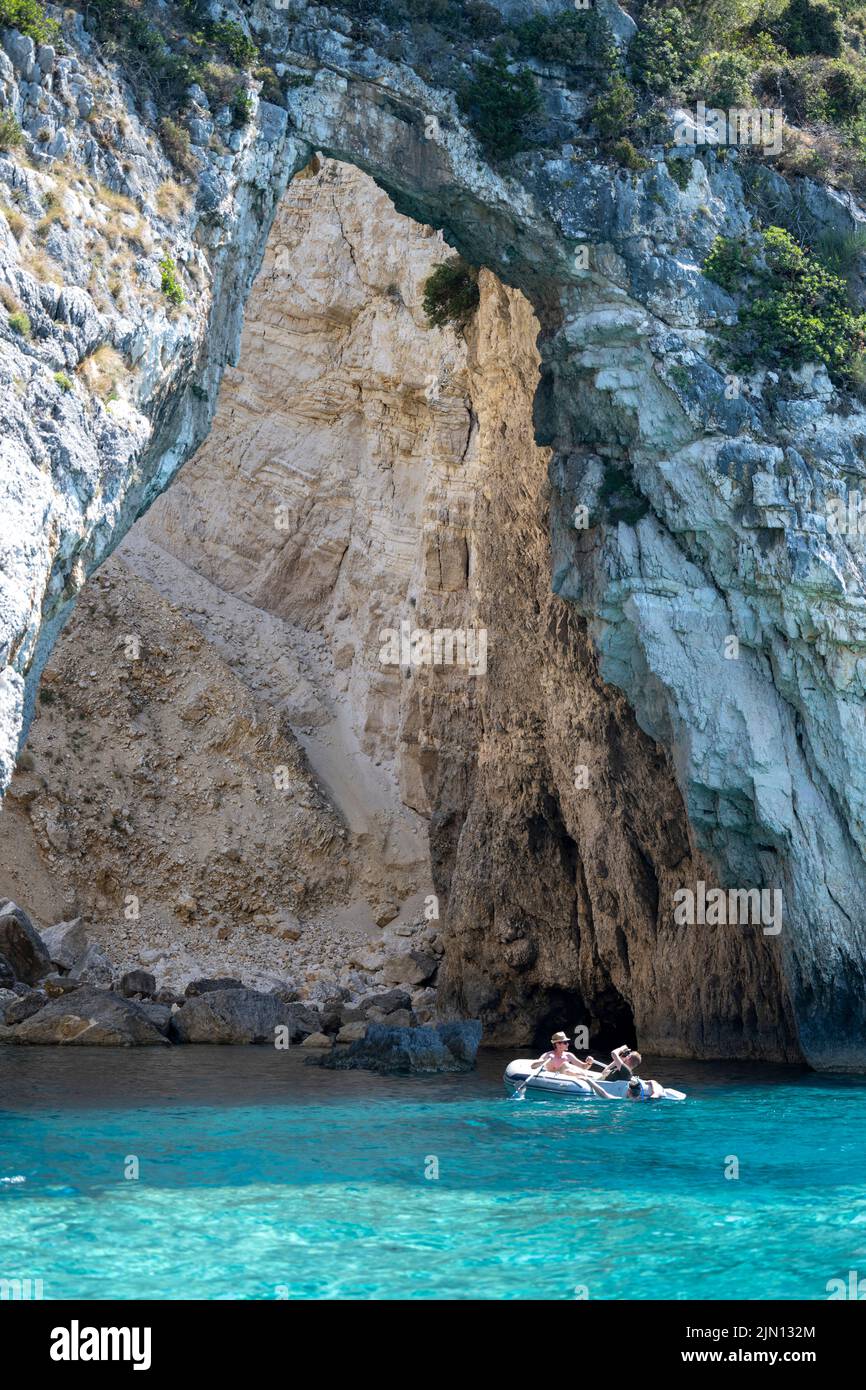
x: 260, y: 1178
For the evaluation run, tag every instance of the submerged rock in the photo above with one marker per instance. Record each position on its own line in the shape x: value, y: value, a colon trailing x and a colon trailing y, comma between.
x: 89, y: 1017
x: 449, y: 1047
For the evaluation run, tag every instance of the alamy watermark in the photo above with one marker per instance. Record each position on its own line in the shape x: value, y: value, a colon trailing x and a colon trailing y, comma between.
x: 729, y: 907
x: 760, y: 126
x: 442, y: 646
x: 854, y: 1288
x: 21, y: 1289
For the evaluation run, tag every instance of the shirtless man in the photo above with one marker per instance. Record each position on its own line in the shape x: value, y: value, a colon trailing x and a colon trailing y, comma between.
x: 560, y: 1059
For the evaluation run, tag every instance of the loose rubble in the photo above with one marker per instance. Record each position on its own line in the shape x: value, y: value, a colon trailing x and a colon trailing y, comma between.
x: 59, y: 987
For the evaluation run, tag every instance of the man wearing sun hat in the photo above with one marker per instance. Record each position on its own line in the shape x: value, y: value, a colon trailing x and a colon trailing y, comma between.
x: 560, y: 1059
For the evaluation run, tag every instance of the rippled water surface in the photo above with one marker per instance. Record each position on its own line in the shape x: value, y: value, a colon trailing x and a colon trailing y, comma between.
x: 260, y: 1177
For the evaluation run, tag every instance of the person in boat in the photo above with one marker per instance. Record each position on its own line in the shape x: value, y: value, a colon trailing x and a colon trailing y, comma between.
x: 621, y: 1066
x: 560, y: 1059
x: 635, y: 1090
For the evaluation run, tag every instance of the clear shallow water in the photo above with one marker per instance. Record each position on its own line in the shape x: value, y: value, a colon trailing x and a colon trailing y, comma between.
x: 261, y: 1178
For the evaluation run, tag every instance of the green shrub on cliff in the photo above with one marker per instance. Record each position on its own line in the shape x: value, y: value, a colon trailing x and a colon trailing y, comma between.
x: 796, y: 310
x: 618, y: 498
x: 614, y: 111
x: 19, y: 322
x: 725, y: 80
x: 572, y: 39
x: 171, y: 286
x: 29, y: 17
x: 241, y: 108
x: 811, y: 26
x: 11, y: 134
x: 498, y: 103
x: 451, y: 294
x: 663, y: 51
x: 233, y: 41
x: 178, y: 146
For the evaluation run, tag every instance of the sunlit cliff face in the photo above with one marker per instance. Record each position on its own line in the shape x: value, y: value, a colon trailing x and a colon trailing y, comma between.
x: 310, y: 736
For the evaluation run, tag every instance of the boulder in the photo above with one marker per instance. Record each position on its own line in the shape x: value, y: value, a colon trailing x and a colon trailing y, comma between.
x: 196, y: 987
x: 25, y: 1006
x: 316, y: 1040
x: 367, y: 959
x: 7, y: 974
x: 386, y: 1002
x: 160, y: 1015
x: 398, y: 1018
x: 408, y: 968
x: 94, y: 967
x: 90, y: 1017
x: 8, y: 997
x: 424, y: 1004
x: 21, y: 945
x: 352, y: 1032
x: 331, y: 1014
x: 137, y: 982
x: 287, y: 991
x: 55, y: 985
x: 450, y: 1047
x: 462, y: 1038
x: 240, y: 1015
x: 66, y: 943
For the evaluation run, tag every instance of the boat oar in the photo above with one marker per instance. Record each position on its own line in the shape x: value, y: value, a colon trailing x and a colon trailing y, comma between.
x: 518, y: 1094
x: 595, y: 1087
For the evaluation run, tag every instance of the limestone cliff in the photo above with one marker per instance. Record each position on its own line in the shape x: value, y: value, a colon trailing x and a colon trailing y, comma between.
x: 745, y: 768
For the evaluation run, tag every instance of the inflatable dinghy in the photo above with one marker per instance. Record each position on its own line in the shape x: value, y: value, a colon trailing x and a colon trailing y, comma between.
x: 569, y: 1087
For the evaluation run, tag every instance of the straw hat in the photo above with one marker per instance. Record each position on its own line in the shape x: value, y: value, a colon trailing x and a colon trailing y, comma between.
x: 559, y: 1037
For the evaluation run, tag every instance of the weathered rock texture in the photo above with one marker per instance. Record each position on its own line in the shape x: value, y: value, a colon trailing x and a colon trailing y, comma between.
x: 405, y: 463
x: 765, y: 750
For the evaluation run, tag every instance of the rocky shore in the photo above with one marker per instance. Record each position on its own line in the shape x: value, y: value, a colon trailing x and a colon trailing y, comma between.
x: 58, y: 986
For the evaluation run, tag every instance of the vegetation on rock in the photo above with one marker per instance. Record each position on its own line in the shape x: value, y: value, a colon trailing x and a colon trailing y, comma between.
x: 451, y: 294
x: 166, y: 52
x: 618, y: 499
x: 796, y: 310
x: 20, y: 323
x: 498, y: 103
x: 11, y: 134
x: 171, y: 286
x: 29, y: 17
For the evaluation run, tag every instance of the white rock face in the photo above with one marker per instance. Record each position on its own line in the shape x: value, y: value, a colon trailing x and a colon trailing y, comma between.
x: 297, y: 533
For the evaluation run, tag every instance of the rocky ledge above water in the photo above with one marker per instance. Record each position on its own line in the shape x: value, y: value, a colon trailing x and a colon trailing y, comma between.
x: 59, y: 987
